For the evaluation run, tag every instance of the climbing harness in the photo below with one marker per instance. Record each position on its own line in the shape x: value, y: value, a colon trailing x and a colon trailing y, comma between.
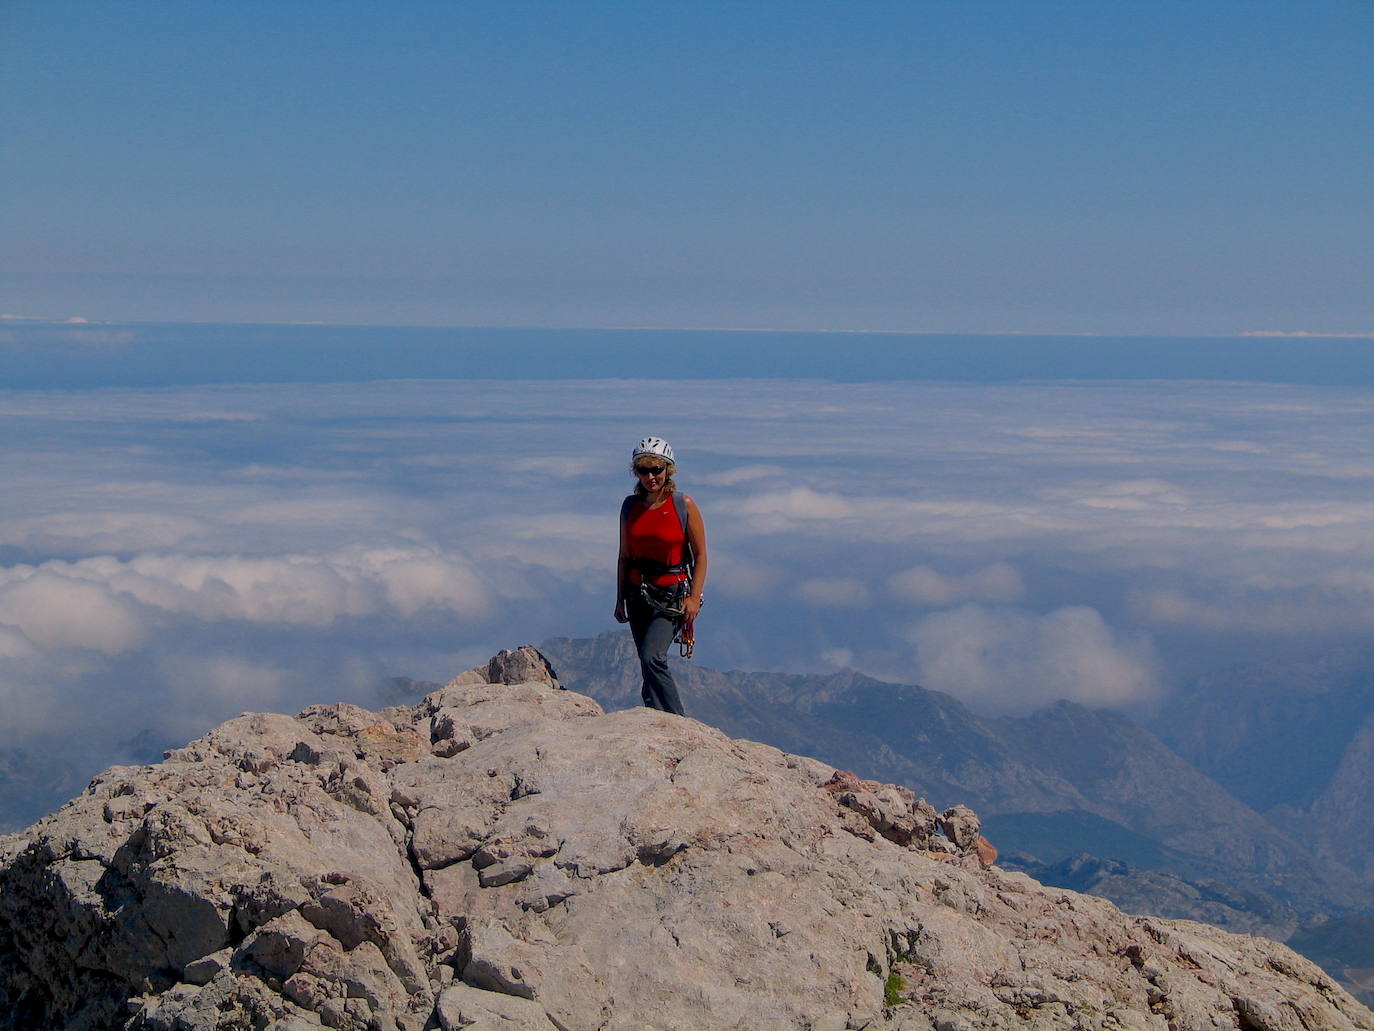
x: 671, y: 602
x: 668, y: 600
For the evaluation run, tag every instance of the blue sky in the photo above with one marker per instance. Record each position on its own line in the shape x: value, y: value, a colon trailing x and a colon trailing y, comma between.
x: 1126, y: 168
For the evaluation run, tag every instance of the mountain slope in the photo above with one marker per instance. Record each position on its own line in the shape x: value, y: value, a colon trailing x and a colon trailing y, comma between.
x: 1273, y: 734
x: 1342, y: 816
x: 506, y: 855
x: 33, y: 783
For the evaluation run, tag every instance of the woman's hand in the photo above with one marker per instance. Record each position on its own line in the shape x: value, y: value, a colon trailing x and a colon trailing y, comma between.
x: 691, y: 607
x: 621, y: 616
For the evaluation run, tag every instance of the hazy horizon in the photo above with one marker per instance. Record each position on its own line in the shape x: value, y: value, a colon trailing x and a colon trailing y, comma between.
x: 35, y: 354
x: 171, y: 555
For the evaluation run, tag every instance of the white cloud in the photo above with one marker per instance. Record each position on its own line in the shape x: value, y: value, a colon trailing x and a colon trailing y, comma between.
x: 54, y: 611
x: 742, y: 474
x: 551, y: 467
x: 1135, y: 495
x: 1009, y: 660
x: 209, y: 680
x: 921, y: 585
x: 1300, y: 333
x: 404, y: 526
x: 415, y: 580
x: 836, y: 592
x: 29, y: 705
x: 839, y: 658
x: 101, y: 531
x: 778, y: 511
x: 323, y: 512
x: 1322, y: 602
x: 561, y: 542
x: 108, y: 604
x: 14, y: 645
x: 740, y: 577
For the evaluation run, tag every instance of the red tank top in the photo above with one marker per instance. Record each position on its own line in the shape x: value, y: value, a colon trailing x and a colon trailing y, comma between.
x: 655, y: 534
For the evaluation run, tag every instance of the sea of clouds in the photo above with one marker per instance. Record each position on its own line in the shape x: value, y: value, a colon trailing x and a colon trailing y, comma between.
x: 170, y: 557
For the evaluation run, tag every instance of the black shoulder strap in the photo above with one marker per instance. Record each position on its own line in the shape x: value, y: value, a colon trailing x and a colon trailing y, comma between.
x: 625, y: 507
x: 688, y: 559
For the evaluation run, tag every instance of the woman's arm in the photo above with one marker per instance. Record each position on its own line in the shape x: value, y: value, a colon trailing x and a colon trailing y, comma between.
x: 621, y: 616
x: 696, y: 537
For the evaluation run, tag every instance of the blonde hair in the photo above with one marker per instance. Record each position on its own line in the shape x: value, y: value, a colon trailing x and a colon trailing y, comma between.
x: 668, y: 485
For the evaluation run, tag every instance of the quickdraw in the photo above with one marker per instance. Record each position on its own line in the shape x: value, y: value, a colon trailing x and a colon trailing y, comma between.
x: 686, y: 638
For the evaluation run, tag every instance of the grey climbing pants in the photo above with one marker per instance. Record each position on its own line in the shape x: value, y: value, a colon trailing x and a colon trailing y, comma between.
x: 653, y: 634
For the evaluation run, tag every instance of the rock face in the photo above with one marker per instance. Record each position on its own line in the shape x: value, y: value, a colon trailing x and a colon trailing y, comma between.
x: 1062, y: 758
x: 1052, y: 786
x: 506, y: 855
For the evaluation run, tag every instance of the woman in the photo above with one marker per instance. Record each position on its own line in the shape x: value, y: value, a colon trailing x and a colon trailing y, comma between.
x: 662, y: 567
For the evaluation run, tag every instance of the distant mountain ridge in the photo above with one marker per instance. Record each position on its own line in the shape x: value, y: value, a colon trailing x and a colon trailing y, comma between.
x: 1272, y: 733
x: 27, y: 775
x: 1293, y: 740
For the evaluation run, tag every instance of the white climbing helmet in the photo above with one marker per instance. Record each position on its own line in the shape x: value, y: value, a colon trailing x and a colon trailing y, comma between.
x: 656, y: 446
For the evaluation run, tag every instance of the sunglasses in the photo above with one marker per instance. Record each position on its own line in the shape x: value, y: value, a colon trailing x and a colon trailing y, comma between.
x: 650, y: 470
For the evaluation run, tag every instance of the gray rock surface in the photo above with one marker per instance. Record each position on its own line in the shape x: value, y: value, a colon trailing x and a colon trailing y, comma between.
x: 506, y: 855
x: 1061, y: 758
x: 1062, y: 782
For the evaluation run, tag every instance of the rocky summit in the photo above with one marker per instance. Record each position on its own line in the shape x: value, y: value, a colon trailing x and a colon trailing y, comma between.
x: 506, y: 855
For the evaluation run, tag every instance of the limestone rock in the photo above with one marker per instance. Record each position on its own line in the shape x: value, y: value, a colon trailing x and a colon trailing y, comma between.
x: 961, y: 825
x: 463, y: 1008
x: 526, y: 664
x: 505, y: 855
